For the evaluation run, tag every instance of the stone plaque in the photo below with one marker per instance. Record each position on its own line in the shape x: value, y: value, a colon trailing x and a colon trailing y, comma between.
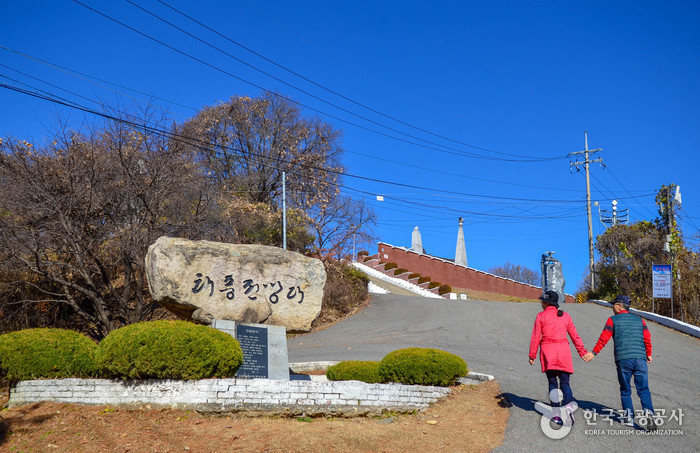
x: 258, y: 284
x: 253, y: 341
x: 264, y: 349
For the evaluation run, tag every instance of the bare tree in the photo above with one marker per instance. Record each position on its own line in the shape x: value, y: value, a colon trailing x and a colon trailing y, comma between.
x: 246, y: 143
x: 80, y: 212
x: 339, y: 225
x: 518, y: 273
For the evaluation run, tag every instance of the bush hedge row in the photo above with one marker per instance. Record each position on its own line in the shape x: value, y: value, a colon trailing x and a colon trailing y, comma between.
x: 183, y: 350
x: 424, y: 366
x: 46, y: 353
x: 444, y: 289
x: 354, y: 370
x: 169, y: 350
x: 157, y: 349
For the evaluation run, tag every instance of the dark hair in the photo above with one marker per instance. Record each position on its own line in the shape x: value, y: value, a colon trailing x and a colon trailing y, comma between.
x: 560, y: 312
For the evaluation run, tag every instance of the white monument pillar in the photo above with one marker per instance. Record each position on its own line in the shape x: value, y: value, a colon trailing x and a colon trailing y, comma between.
x: 461, y: 252
x: 416, y: 242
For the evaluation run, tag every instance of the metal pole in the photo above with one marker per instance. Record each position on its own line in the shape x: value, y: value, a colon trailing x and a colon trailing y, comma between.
x: 672, y: 288
x: 590, y: 221
x: 669, y: 224
x: 673, y: 261
x: 680, y: 298
x: 353, y: 246
x: 591, y: 262
x: 284, y: 211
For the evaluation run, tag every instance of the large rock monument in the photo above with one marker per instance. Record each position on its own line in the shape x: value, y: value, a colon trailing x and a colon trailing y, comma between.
x: 203, y: 281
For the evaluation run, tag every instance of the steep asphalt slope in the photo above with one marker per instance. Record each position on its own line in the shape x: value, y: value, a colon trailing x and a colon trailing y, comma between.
x: 493, y: 337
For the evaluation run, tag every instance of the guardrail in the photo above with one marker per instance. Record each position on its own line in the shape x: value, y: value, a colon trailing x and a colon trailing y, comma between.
x: 672, y: 323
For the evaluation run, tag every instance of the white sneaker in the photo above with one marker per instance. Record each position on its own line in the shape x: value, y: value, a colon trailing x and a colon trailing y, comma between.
x: 569, y: 410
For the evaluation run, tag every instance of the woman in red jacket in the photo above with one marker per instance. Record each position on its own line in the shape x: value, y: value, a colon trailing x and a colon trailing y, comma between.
x: 549, y: 335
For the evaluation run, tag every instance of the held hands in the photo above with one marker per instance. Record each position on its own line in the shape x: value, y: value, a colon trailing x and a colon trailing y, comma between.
x: 532, y: 361
x: 588, y: 357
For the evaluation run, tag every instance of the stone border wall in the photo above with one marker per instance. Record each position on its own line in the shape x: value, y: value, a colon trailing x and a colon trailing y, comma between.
x: 340, y: 398
x: 456, y: 275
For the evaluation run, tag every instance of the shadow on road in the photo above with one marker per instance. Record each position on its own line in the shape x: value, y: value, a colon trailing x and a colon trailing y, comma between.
x: 601, y: 411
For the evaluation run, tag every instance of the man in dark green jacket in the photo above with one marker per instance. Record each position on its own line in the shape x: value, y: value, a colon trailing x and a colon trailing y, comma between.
x: 632, y: 354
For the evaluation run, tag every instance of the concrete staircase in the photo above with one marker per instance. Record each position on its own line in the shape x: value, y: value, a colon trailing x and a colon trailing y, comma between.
x: 374, y: 262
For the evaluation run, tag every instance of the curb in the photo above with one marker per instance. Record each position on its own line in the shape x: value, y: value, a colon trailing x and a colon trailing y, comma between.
x: 475, y: 378
x: 471, y: 378
x: 671, y: 323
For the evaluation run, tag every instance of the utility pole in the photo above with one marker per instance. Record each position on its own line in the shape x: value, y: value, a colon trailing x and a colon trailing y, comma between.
x: 671, y: 229
x: 585, y: 163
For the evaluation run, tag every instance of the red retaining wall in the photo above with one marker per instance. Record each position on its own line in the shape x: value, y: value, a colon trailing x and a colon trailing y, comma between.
x: 455, y: 275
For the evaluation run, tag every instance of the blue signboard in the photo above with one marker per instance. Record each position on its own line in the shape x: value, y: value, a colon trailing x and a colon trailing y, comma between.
x: 662, y: 281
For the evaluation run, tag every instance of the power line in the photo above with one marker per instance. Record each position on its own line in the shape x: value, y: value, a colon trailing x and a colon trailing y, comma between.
x: 420, y: 167
x: 688, y: 218
x: 85, y: 77
x: 487, y: 217
x: 43, y: 81
x: 435, y: 146
x: 318, y: 84
x: 623, y: 186
x: 203, y: 145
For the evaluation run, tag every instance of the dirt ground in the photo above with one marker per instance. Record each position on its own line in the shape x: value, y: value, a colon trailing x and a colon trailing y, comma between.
x: 470, y: 419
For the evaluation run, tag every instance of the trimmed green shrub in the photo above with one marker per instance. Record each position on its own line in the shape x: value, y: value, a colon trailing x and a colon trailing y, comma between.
x: 413, y: 275
x: 390, y: 266
x: 367, y: 258
x: 444, y: 289
x: 354, y: 370
x: 424, y: 366
x: 47, y: 353
x: 400, y: 270
x: 423, y: 279
x: 169, y: 350
x: 434, y: 284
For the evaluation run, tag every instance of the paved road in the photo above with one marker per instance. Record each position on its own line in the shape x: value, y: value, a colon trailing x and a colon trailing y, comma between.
x: 493, y: 337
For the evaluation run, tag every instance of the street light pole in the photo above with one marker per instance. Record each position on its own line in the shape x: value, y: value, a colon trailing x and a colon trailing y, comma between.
x: 284, y: 210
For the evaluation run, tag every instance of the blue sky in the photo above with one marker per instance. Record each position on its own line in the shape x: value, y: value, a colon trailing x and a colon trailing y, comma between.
x: 449, y: 109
